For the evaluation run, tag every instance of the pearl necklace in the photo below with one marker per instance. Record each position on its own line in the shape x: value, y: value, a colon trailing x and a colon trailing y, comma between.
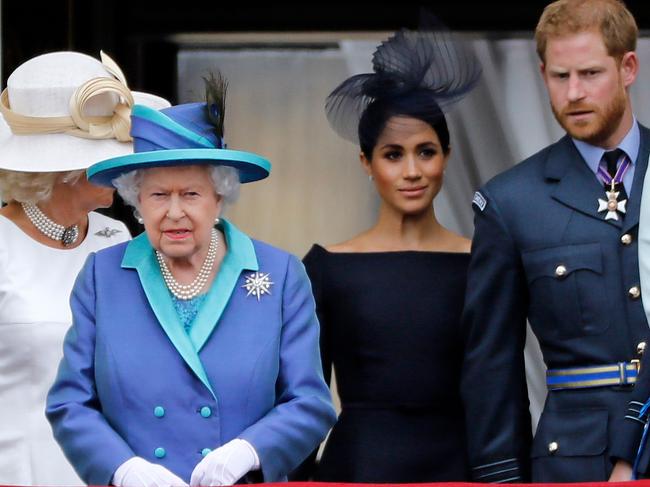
x: 66, y: 235
x: 193, y: 289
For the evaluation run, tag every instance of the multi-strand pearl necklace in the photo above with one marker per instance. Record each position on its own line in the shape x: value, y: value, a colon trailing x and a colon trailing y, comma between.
x: 66, y: 235
x: 193, y: 289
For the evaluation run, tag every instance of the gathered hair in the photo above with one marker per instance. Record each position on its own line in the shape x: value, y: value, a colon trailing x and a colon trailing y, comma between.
x: 33, y: 187
x: 418, y: 104
x: 225, y: 180
x: 609, y: 17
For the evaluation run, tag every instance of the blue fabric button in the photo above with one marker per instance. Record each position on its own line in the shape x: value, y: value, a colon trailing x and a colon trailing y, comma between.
x: 206, y: 412
x: 205, y: 451
x: 160, y: 452
x: 159, y: 411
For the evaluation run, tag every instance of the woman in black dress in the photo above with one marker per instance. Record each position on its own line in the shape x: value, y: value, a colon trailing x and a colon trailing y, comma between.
x: 390, y: 299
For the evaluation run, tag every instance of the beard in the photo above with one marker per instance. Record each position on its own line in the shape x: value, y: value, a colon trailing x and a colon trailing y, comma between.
x: 604, y: 122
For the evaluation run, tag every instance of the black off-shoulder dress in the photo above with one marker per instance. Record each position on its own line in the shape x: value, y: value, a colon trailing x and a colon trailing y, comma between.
x: 390, y: 324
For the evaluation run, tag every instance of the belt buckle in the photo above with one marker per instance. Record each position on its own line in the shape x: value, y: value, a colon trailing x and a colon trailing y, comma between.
x: 625, y: 377
x: 622, y: 374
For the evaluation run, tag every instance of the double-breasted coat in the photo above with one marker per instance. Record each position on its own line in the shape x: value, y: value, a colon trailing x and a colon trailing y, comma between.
x: 133, y: 382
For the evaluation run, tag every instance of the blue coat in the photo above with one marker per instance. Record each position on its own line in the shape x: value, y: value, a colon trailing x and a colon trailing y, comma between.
x: 133, y: 382
x: 529, y: 221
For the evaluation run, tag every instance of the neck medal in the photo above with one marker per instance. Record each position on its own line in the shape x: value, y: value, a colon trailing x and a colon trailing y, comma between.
x: 612, y: 205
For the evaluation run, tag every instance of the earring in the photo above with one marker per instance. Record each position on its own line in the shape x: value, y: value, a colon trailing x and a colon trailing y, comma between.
x: 217, y: 220
x: 370, y: 178
x: 138, y: 217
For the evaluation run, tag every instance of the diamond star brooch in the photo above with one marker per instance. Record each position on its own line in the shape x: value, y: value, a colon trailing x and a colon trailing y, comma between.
x: 258, y: 284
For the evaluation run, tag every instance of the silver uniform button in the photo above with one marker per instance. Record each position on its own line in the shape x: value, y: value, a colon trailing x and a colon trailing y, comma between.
x: 634, y: 292
x: 626, y: 239
x: 640, y: 348
x: 560, y: 271
x: 553, y: 447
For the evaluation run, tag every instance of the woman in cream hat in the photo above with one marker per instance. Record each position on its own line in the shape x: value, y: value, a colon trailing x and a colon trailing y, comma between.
x: 61, y: 112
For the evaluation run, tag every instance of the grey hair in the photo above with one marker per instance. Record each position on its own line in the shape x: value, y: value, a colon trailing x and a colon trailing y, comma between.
x: 225, y: 180
x: 33, y: 187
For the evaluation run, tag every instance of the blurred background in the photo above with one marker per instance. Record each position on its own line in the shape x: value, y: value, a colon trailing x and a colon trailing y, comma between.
x: 281, y: 62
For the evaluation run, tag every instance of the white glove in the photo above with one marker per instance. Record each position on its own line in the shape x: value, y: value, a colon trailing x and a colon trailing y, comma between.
x: 137, y: 472
x: 225, y: 465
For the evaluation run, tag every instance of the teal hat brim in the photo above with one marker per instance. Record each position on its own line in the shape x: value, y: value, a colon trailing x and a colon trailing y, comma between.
x: 251, y: 167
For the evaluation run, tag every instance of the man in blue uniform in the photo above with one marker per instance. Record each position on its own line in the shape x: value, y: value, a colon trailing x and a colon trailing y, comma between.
x: 556, y: 243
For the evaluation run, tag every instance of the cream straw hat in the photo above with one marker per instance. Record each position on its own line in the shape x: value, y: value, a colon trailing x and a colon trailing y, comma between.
x: 64, y: 111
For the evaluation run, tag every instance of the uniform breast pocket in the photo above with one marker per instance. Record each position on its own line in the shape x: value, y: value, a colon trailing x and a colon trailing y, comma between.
x: 566, y: 287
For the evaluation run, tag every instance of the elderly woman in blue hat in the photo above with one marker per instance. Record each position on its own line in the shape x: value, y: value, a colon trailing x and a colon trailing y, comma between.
x: 193, y: 355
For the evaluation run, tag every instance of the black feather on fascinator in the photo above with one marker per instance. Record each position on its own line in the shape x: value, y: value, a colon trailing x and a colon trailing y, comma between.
x: 430, y: 68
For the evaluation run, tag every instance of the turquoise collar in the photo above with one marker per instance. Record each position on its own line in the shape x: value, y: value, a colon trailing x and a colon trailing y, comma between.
x: 240, y: 256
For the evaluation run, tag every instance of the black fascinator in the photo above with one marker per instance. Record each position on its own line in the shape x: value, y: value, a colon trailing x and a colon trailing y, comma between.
x: 428, y: 69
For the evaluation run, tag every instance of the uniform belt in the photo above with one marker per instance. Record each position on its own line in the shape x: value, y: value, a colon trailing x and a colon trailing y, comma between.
x: 619, y: 374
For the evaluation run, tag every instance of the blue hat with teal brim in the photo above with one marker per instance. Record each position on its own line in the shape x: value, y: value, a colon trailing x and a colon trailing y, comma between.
x: 177, y: 136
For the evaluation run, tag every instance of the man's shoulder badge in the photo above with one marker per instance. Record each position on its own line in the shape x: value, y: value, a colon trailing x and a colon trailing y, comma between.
x: 479, y: 200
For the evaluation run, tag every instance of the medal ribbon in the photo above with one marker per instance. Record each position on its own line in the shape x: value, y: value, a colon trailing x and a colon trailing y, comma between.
x: 618, y: 177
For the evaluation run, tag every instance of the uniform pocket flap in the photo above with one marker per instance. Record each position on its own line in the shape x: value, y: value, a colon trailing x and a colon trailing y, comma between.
x: 559, y: 262
x: 571, y: 433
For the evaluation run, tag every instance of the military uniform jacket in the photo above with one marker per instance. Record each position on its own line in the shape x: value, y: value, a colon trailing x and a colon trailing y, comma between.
x: 542, y: 251
x: 133, y: 382
x: 628, y: 441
